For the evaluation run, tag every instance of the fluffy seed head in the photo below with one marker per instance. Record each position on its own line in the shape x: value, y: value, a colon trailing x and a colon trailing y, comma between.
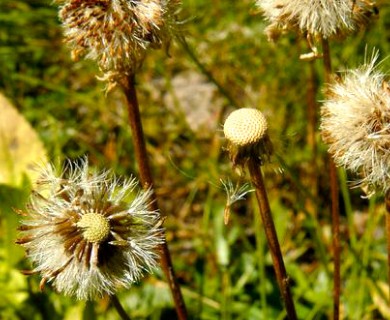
x: 355, y: 123
x: 88, y: 233
x: 326, y: 18
x: 246, y: 132
x: 117, y: 33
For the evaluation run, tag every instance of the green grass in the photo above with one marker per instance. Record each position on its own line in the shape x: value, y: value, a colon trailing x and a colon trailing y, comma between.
x: 225, y: 271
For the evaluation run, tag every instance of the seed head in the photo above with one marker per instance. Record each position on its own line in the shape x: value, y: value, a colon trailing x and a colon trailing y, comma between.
x: 117, y: 33
x: 95, y: 227
x: 355, y: 123
x: 246, y: 131
x: 89, y: 234
x: 326, y: 18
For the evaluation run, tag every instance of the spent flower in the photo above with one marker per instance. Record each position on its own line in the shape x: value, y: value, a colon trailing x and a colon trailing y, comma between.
x: 233, y: 194
x: 355, y: 123
x: 246, y: 131
x: 89, y: 233
x: 325, y: 18
x: 117, y: 33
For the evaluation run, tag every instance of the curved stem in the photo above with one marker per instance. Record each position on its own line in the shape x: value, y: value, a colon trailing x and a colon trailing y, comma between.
x: 335, y: 201
x: 272, y: 238
x: 128, y: 86
x: 182, y: 40
x: 122, y: 313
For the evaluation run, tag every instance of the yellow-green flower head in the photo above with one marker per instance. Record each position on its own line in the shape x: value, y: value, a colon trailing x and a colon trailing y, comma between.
x: 246, y: 130
x: 355, y: 123
x: 88, y: 233
x: 325, y: 18
x: 117, y: 33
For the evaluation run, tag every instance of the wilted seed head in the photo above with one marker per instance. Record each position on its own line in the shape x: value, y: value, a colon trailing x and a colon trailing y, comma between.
x: 355, y: 123
x: 89, y: 234
x: 117, y: 33
x: 246, y: 130
x: 325, y: 18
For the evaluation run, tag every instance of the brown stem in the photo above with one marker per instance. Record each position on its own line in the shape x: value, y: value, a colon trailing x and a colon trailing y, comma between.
x: 122, y: 313
x: 387, y: 202
x: 311, y: 139
x: 327, y: 60
x: 272, y: 238
x: 128, y: 85
x: 336, y: 239
x: 335, y: 201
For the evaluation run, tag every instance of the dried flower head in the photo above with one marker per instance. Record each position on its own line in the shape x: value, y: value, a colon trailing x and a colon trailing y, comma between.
x: 87, y: 233
x: 325, y: 18
x: 233, y: 194
x: 116, y: 33
x: 356, y: 124
x: 246, y: 130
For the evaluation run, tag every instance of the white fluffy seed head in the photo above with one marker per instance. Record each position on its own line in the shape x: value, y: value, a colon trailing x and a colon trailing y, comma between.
x: 245, y: 126
x: 89, y: 233
x: 327, y: 18
x: 355, y: 123
x: 117, y: 33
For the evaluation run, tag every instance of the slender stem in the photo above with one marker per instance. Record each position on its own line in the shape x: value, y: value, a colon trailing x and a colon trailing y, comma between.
x: 336, y: 239
x: 122, y: 313
x: 192, y: 55
x: 272, y: 238
x: 128, y: 86
x: 387, y: 202
x: 261, y: 266
x: 311, y: 139
x: 335, y: 201
x: 327, y: 60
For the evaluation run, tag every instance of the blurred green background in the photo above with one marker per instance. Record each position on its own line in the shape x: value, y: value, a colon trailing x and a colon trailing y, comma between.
x: 225, y: 271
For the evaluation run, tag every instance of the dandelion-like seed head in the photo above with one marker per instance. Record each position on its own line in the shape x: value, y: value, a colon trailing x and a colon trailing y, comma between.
x: 246, y: 130
x: 117, y: 33
x: 88, y: 233
x: 325, y: 18
x: 355, y: 123
x: 95, y: 226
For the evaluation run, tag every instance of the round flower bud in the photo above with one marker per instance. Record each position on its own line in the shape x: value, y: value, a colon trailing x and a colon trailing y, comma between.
x: 95, y: 226
x: 245, y: 126
x: 246, y: 130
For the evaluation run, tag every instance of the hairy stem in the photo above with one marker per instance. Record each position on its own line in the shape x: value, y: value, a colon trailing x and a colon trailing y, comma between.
x: 128, y: 86
x: 272, y: 238
x: 122, y: 313
x: 335, y: 201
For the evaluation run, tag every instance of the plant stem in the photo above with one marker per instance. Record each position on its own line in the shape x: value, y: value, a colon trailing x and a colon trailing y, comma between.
x: 387, y: 203
x: 272, y: 238
x: 260, y: 240
x: 335, y: 201
x: 122, y: 313
x: 128, y: 86
x: 311, y: 139
x: 192, y: 55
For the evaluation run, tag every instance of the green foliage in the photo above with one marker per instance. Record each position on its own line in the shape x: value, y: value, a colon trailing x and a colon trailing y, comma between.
x: 226, y: 270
